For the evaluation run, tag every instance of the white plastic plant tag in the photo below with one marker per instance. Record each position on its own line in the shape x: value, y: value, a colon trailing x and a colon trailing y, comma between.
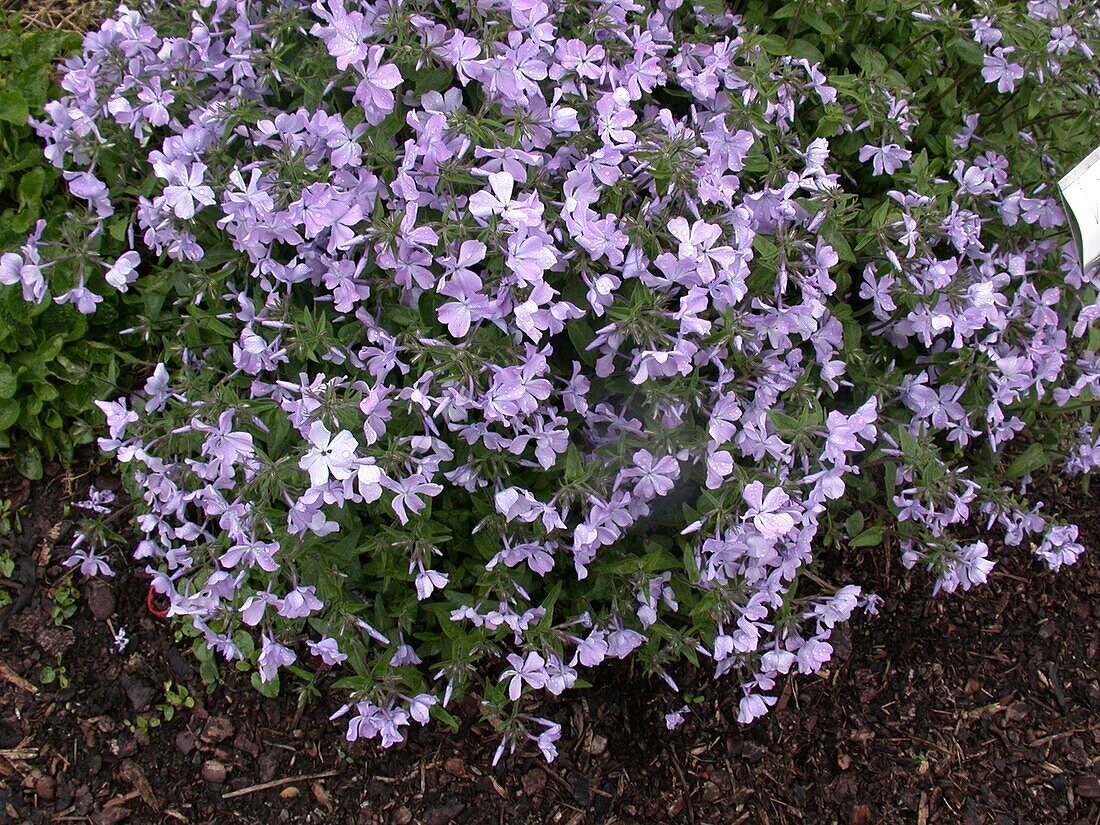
x: 1080, y: 190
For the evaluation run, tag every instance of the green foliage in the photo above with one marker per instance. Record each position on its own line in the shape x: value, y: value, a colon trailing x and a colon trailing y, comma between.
x: 51, y: 674
x: 27, y: 181
x: 176, y: 699
x: 64, y: 605
x: 54, y: 362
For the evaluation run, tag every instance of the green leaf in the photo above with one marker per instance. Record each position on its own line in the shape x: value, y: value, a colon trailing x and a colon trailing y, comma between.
x: 7, y: 382
x: 9, y: 412
x: 713, y: 7
x: 581, y: 335
x: 969, y: 51
x: 854, y: 525
x: 574, y: 464
x: 13, y: 108
x: 443, y: 716
x: 29, y: 463
x: 438, y: 79
x: 270, y: 689
x: 1029, y: 461
x: 31, y: 186
x: 868, y: 538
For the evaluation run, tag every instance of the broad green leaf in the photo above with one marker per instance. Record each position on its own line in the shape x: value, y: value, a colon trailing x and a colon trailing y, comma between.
x: 13, y: 108
x: 1029, y: 461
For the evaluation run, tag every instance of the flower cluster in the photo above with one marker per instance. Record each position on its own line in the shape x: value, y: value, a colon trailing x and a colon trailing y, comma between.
x: 504, y: 339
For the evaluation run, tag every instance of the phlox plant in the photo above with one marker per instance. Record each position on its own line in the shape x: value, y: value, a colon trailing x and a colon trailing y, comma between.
x: 503, y: 339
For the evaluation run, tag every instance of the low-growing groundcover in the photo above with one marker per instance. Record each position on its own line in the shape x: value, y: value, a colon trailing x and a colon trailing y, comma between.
x: 500, y: 340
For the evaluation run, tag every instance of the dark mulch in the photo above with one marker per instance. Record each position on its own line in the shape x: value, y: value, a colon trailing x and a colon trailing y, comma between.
x: 976, y: 708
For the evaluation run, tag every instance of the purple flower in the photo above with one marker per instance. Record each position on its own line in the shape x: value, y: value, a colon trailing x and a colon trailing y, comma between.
x: 621, y: 642
x: 300, y: 603
x: 87, y: 186
x: 252, y: 553
x: 118, y: 416
x: 468, y: 307
x: 674, y: 719
x: 592, y: 650
x: 1060, y: 546
x: 699, y: 245
x: 123, y: 272
x: 547, y: 738
x: 428, y: 581
x: 530, y: 670
x: 80, y: 297
x: 272, y: 657
x: 997, y: 69
x: 374, y: 92
x: 497, y: 199
x: 556, y: 292
x: 224, y: 445
x: 186, y: 193
x: 157, y: 100
x: 408, y: 495
x: 654, y: 477
x: 886, y: 159
x: 753, y: 706
x: 329, y: 455
x: 91, y: 564
x: 328, y: 649
x: 768, y: 512
x: 346, y: 35
x: 15, y: 270
x: 420, y: 707
x: 813, y: 654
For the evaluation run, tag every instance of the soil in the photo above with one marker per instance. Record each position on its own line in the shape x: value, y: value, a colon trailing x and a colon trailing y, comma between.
x: 974, y: 708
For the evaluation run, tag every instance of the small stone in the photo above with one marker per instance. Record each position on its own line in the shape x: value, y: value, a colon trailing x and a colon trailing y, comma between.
x: 140, y: 694
x: 402, y: 816
x: 183, y: 671
x: 844, y: 761
x: 213, y: 771
x: 267, y: 766
x: 861, y: 815
x: 596, y: 745
x: 972, y: 686
x: 185, y: 742
x: 455, y: 767
x: 217, y: 729
x: 244, y: 742
x: 289, y: 792
x: 100, y: 597
x: 45, y: 787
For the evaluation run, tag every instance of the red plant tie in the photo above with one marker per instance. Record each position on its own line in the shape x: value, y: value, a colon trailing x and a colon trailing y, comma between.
x: 149, y: 597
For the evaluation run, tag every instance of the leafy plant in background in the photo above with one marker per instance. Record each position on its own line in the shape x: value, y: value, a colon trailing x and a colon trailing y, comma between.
x: 54, y: 360
x: 500, y: 340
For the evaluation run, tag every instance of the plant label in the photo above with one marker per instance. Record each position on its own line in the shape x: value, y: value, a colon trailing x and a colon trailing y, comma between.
x: 1080, y: 190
